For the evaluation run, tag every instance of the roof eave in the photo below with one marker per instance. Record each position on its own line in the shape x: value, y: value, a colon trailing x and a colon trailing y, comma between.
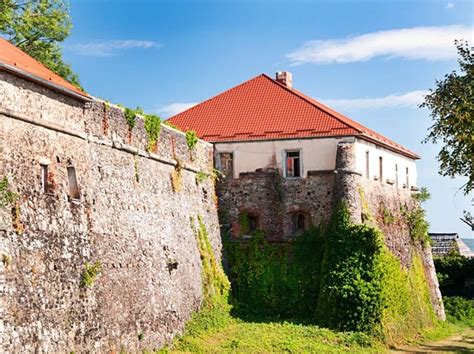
x: 28, y: 76
x: 409, y: 154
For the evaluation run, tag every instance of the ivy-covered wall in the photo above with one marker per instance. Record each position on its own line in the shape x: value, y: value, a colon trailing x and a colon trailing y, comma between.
x: 341, y: 276
x: 97, y: 250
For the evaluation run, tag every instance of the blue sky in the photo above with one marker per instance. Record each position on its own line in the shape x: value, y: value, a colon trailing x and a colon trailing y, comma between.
x: 371, y: 60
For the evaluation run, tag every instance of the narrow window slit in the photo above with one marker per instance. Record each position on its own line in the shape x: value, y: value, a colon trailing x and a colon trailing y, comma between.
x: 73, y: 186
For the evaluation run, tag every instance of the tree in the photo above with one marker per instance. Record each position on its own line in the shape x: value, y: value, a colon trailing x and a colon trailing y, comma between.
x: 37, y: 27
x: 452, y: 110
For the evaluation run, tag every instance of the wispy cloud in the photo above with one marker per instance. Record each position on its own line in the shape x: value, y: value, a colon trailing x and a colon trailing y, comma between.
x: 427, y: 43
x: 173, y: 108
x: 111, y: 47
x: 449, y: 5
x: 406, y: 100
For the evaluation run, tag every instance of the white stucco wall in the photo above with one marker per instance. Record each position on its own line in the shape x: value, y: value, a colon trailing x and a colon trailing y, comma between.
x: 316, y: 154
x: 390, y: 159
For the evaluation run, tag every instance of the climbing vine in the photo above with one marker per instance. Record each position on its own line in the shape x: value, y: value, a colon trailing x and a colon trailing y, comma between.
x: 152, y: 128
x: 341, y: 276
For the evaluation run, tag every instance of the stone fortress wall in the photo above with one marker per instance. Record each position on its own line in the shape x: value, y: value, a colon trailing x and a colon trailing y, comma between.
x: 124, y: 214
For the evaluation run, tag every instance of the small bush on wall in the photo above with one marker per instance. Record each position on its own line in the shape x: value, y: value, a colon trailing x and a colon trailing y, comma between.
x: 152, y: 128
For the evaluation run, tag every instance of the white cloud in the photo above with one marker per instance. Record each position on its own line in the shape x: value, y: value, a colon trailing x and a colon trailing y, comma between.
x: 173, y: 108
x: 109, y: 48
x: 428, y: 43
x: 449, y: 5
x: 406, y: 100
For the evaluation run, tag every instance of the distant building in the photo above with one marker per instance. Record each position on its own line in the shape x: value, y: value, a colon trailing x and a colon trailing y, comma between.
x: 443, y: 243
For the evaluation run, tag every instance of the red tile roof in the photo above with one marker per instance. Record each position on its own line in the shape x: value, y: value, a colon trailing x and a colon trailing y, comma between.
x: 264, y: 109
x: 18, y: 60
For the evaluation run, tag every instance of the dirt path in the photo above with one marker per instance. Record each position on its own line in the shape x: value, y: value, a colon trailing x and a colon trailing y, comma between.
x: 463, y: 343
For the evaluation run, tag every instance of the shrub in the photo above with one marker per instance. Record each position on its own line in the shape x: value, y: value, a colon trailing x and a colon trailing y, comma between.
x: 152, y: 128
x: 191, y: 139
x: 459, y: 310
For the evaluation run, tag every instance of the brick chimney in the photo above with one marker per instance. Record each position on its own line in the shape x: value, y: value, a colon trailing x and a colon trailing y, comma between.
x: 285, y: 78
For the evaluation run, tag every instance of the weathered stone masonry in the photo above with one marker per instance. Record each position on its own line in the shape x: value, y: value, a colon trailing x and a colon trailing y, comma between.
x: 128, y: 218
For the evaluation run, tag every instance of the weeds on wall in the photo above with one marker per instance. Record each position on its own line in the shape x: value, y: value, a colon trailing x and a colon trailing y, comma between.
x: 191, y: 139
x: 90, y: 274
x: 152, y: 128
x: 131, y: 116
x: 7, y: 197
x: 215, y: 309
x: 177, y: 176
x: 416, y: 218
x: 201, y: 176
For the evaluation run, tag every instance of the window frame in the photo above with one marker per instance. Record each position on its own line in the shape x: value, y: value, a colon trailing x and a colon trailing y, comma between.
x: 220, y: 168
x: 300, y: 157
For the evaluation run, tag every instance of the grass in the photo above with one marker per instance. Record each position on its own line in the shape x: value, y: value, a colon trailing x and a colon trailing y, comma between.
x: 222, y: 333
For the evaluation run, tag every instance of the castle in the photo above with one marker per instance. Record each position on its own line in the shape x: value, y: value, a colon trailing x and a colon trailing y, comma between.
x: 97, y: 238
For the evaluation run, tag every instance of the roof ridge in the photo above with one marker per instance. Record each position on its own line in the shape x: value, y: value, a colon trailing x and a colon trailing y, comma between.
x: 362, y: 129
x: 216, y: 95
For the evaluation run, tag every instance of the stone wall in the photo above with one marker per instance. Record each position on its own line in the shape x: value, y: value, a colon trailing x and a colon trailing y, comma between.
x: 275, y: 201
x: 127, y: 217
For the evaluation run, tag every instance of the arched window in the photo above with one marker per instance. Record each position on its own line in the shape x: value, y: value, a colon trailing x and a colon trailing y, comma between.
x: 300, y: 222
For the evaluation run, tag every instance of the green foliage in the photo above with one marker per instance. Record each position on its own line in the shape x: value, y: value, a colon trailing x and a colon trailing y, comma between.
x: 423, y: 195
x: 278, y: 280
x: 37, y: 27
x: 7, y: 197
x: 131, y: 116
x: 152, y: 128
x: 201, y: 176
x: 459, y: 310
x: 453, y: 271
x: 215, y: 310
x: 342, y: 277
x: 416, y: 220
x: 191, y: 139
x: 364, y: 288
x: 90, y: 273
x: 452, y: 110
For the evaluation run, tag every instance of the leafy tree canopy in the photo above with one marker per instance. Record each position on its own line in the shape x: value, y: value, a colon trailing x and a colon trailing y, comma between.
x: 452, y: 111
x: 36, y: 27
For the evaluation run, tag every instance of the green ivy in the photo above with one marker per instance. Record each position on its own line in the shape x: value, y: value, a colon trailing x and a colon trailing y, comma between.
x: 341, y: 276
x: 191, y: 139
x: 152, y: 128
x: 201, y: 176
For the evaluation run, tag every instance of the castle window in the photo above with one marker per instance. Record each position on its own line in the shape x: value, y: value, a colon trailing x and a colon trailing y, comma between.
x: 293, y: 164
x: 380, y: 169
x: 72, y: 181
x: 249, y: 223
x: 407, y: 179
x: 300, y: 223
x: 44, y: 179
x: 396, y: 175
x: 253, y: 223
x: 226, y: 160
x: 367, y: 164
